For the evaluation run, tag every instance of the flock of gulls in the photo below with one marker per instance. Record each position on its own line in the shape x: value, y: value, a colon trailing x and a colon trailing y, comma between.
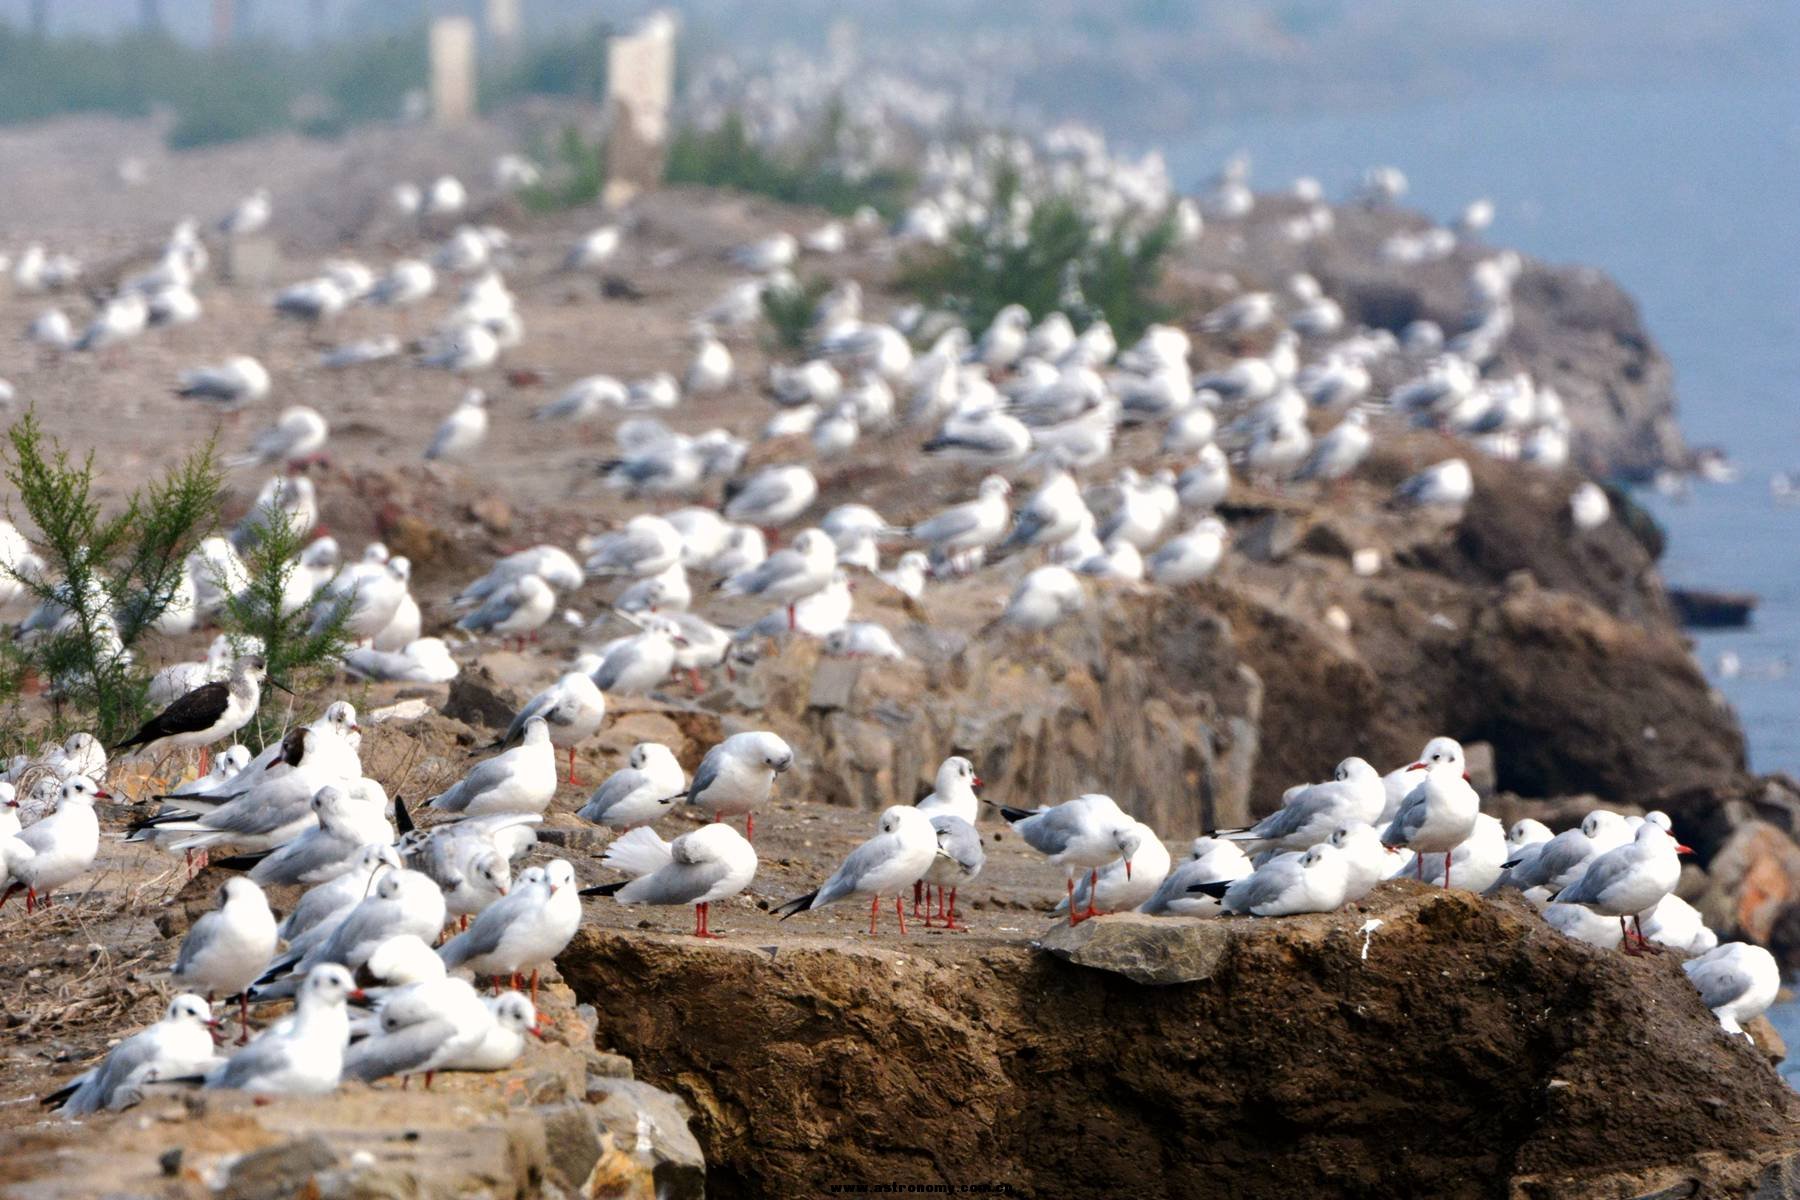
x: 400, y: 919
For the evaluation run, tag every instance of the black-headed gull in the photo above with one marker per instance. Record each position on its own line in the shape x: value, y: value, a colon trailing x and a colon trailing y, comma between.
x: 337, y: 897
x: 1737, y: 981
x: 1629, y: 880
x: 959, y: 859
x: 228, y: 948
x: 772, y: 497
x: 349, y: 818
x: 420, y: 1025
x: 702, y: 867
x: 953, y: 791
x: 303, y: 1056
x: 640, y: 792
x: 737, y: 775
x: 1053, y: 513
x: 1089, y: 831
x: 1541, y: 869
x: 647, y: 545
x: 1448, y: 484
x: 1478, y: 860
x: 55, y: 849
x: 1192, y: 556
x: 1124, y: 883
x: 1316, y: 881
x: 298, y: 434
x: 519, y: 780
x: 527, y: 927
x: 1399, y: 783
x: 467, y: 425
x: 521, y: 608
x: 573, y: 707
x: 1437, y: 815
x: 1043, y: 598
x: 904, y: 845
x: 179, y: 1045
x: 1210, y: 860
x: 514, y: 1017
x: 1310, y: 813
x: 789, y: 575
x: 401, y: 901
x: 235, y: 381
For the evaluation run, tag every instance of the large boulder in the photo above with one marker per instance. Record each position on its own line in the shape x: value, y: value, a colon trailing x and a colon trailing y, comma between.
x: 1428, y: 1044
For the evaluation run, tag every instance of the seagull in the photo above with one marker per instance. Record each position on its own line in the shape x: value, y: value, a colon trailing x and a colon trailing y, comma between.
x: 519, y: 780
x: 250, y: 216
x: 772, y: 497
x: 333, y: 899
x: 311, y: 299
x: 297, y: 435
x: 471, y: 859
x: 898, y: 856
x: 234, y: 382
x: 421, y: 1024
x: 584, y: 400
x: 973, y: 526
x: 1203, y: 485
x: 1737, y: 981
x: 402, y: 901
x: 573, y: 708
x: 55, y: 849
x: 463, y: 430
x: 1124, y: 883
x: 1629, y: 880
x: 181, y: 1044
x: 702, y: 867
x: 1398, y: 784
x: 1316, y: 881
x: 1436, y: 815
x: 527, y: 927
x: 1478, y: 859
x: 711, y: 368
x: 361, y: 352
x: 305, y: 1055
x: 954, y: 791
x: 1053, y: 513
x: 1545, y: 868
x: 790, y: 574
x: 1043, y: 598
x: 268, y: 813
x: 209, y: 713
x: 1192, y: 556
x: 406, y: 283
x: 1089, y: 831
x: 1210, y: 860
x: 503, y: 1043
x: 640, y: 792
x: 1448, y: 484
x: 1340, y: 452
x: 737, y: 775
x: 522, y: 608
x: 593, y: 250
x: 647, y: 545
x: 552, y: 564
x: 228, y: 948
x: 1309, y: 814
x: 368, y: 593
x: 959, y: 860
x: 634, y: 665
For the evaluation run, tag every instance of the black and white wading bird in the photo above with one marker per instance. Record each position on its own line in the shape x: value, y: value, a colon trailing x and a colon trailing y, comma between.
x: 207, y: 714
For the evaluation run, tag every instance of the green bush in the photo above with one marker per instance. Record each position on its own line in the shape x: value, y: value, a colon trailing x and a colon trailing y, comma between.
x: 1060, y: 263
x: 726, y: 158
x: 115, y: 575
x: 574, y: 174
x: 297, y: 656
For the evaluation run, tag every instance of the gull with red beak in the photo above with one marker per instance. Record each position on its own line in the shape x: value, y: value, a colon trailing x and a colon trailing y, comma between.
x: 179, y: 1044
x: 1630, y: 880
x: 1089, y: 831
x: 1399, y: 784
x: 705, y: 865
x: 1438, y: 814
x: 903, y: 848
x: 42, y: 857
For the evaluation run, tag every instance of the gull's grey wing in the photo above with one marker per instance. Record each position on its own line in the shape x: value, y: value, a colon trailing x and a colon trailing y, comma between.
x: 762, y: 491
x: 617, y: 664
x: 1408, y: 819
x: 1265, y: 886
x: 264, y: 1055
x: 1718, y: 982
x: 1051, y: 831
x: 1600, y: 875
x: 397, y: 1051
x: 959, y: 839
x: 483, y: 936
x: 203, y: 933
x: 678, y: 883
x: 707, y: 773
x: 1174, y: 886
x: 534, y: 707
x: 618, y: 785
x: 127, y: 1058
x: 246, y: 819
x: 495, y: 609
x: 862, y: 861
x: 314, y: 850
x: 948, y: 524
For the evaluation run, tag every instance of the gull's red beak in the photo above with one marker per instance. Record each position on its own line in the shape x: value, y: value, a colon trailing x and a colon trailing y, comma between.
x: 1128, y: 868
x: 103, y: 794
x: 1465, y: 777
x: 979, y: 783
x: 359, y: 995
x: 1416, y: 767
x: 537, y: 1031
x: 1681, y: 849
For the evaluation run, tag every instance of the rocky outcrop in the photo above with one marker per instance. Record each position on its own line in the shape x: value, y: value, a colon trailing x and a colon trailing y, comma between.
x: 1428, y: 1044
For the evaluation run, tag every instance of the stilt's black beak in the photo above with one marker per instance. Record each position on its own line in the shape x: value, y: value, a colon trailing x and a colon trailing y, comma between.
x: 276, y: 683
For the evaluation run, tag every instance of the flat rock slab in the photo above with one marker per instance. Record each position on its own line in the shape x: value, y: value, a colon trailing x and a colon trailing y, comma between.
x: 1155, y: 950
